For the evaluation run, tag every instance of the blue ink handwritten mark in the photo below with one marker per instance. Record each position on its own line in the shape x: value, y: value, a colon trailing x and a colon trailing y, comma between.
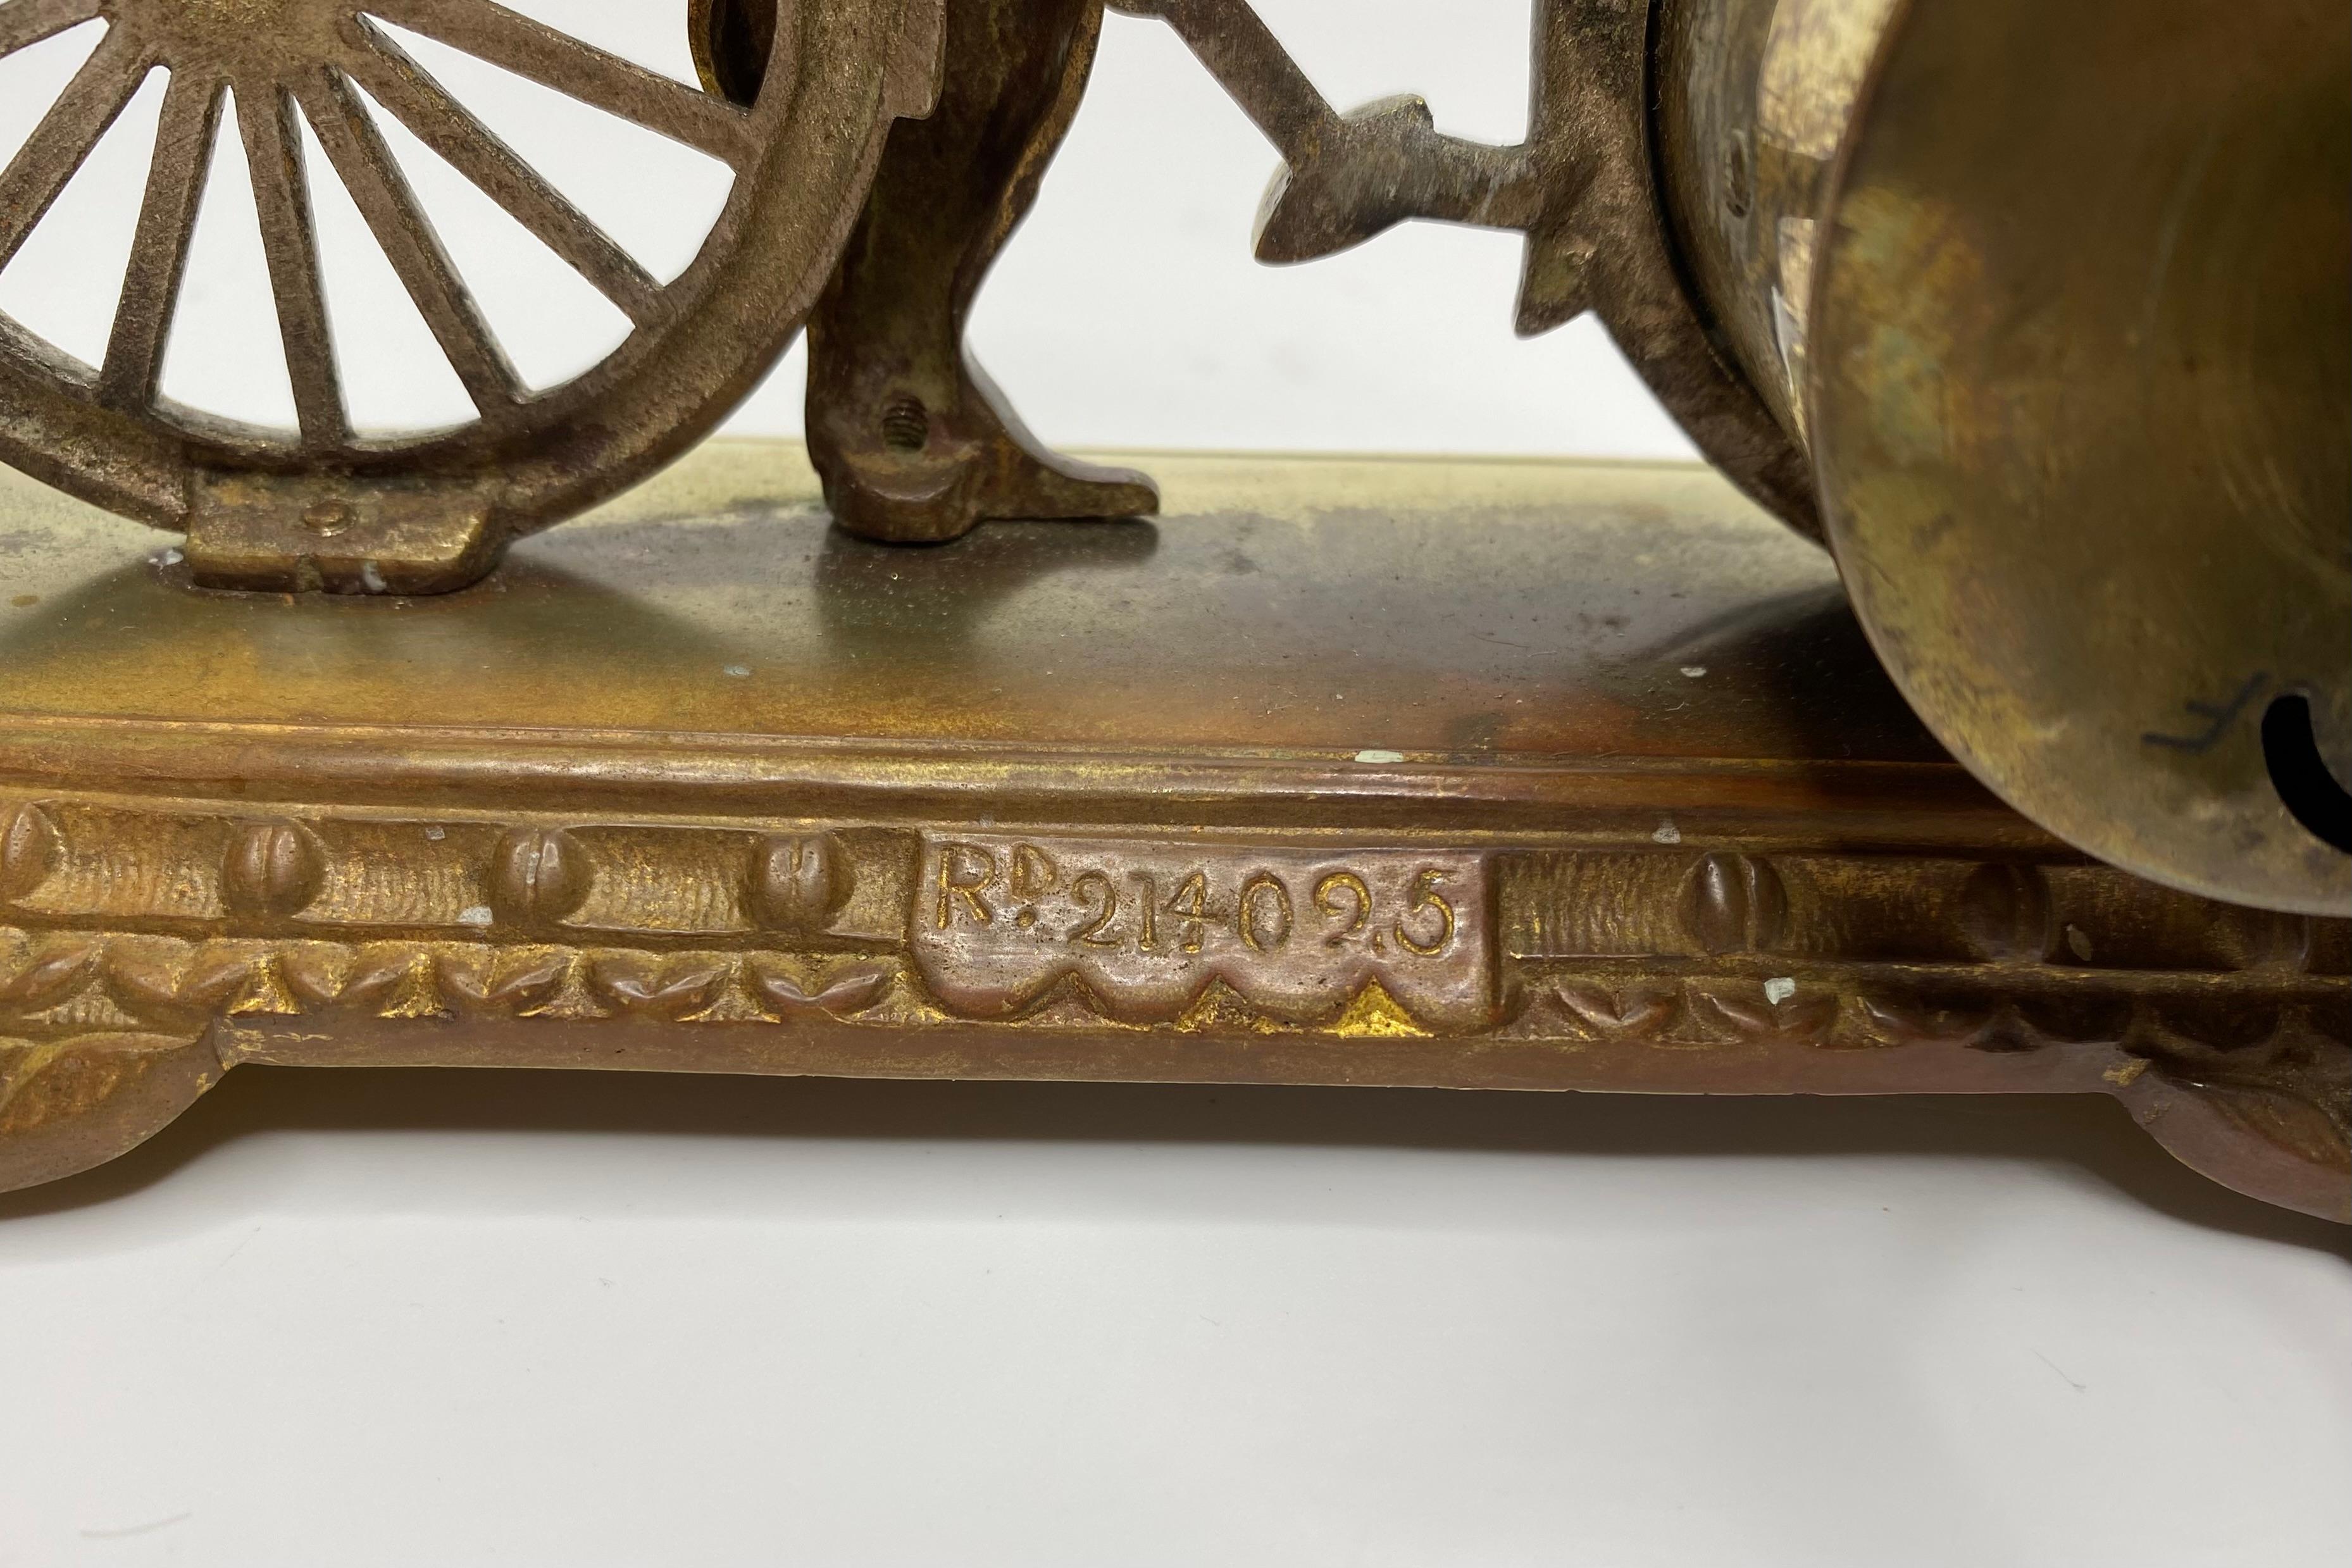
x: 2219, y: 719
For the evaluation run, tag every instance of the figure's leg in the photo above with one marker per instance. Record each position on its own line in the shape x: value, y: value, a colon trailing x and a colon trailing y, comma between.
x: 913, y: 440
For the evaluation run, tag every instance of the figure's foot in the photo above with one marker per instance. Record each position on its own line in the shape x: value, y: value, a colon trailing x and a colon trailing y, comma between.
x: 909, y: 471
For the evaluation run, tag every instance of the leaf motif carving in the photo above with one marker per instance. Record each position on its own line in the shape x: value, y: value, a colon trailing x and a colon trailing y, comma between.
x: 485, y: 980
x: 53, y: 973
x: 317, y: 972
x: 144, y: 975
x: 1635, y: 1013
x: 1799, y: 1016
x: 669, y: 988
x: 839, y: 993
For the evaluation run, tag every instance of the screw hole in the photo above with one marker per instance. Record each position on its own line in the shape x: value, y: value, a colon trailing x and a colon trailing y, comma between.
x: 905, y: 424
x: 2310, y: 790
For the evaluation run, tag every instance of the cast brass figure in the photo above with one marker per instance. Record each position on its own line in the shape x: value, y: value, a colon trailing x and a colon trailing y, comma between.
x: 914, y: 442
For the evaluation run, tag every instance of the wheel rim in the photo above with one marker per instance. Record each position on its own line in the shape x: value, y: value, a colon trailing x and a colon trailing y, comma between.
x: 694, y: 346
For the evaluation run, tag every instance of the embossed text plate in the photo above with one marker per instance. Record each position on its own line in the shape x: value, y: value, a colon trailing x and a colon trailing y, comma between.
x: 1147, y: 925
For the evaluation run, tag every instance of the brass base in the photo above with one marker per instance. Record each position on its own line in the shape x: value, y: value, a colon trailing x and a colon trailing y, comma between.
x: 1489, y: 774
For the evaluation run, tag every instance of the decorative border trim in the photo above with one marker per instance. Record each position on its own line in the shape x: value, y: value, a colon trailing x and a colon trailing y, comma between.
x: 152, y: 929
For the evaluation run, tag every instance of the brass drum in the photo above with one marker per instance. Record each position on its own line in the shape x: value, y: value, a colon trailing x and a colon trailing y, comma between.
x: 2058, y: 299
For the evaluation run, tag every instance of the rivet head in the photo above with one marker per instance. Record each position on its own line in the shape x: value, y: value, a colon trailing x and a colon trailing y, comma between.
x: 327, y: 518
x: 800, y: 882
x: 537, y: 875
x: 272, y: 869
x: 1732, y: 903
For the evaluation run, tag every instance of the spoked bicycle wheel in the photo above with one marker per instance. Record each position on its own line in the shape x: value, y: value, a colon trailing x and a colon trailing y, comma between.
x: 323, y: 504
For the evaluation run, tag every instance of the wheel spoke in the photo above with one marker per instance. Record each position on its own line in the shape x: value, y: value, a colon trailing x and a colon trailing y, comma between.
x: 383, y: 194
x: 24, y: 23
x: 442, y: 123
x: 159, y: 255
x: 273, y: 151
x: 65, y: 137
x: 490, y: 32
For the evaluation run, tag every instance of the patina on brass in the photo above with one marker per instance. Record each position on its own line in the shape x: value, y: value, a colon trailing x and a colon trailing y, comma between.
x: 2060, y: 310
x: 2082, y: 431
x: 914, y: 442
x: 2108, y: 552
x: 2067, y: 325
x: 1369, y: 772
x: 1511, y: 775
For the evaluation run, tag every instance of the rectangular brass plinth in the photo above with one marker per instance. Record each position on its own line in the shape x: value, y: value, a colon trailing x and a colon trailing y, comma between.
x: 1490, y: 774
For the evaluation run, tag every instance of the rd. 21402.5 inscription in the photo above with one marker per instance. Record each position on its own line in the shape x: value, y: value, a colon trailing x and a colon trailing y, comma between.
x: 999, y: 921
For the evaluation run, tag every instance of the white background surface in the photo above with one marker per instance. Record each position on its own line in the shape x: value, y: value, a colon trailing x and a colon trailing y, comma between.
x: 363, y: 1318
x: 359, y: 1318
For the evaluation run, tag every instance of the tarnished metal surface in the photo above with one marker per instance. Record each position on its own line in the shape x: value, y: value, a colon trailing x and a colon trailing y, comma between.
x: 1309, y: 608
x: 2087, y: 384
x: 1754, y: 98
x: 913, y: 439
x: 1516, y: 774
x: 999, y: 921
x: 1345, y: 772
x: 2068, y: 323
x: 2081, y: 403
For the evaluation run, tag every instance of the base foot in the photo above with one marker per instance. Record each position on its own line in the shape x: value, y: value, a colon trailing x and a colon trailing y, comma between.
x: 272, y: 534
x: 66, y: 1106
